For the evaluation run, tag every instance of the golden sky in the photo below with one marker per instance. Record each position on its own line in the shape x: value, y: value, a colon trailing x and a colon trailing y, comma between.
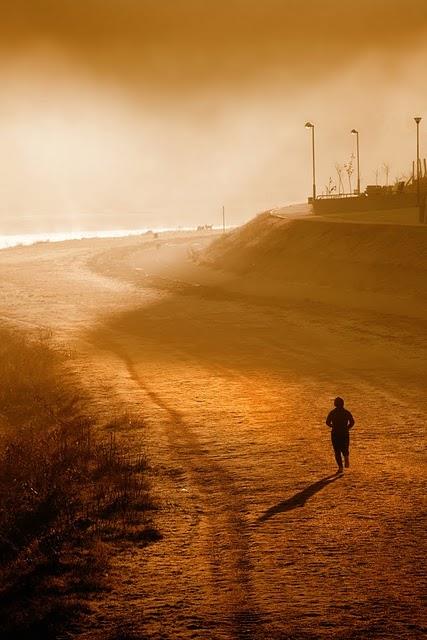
x: 142, y: 111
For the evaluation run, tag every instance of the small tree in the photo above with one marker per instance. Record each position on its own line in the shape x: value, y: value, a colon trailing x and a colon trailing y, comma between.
x: 330, y: 187
x: 349, y: 169
x: 386, y: 168
x: 339, y: 170
x: 377, y: 173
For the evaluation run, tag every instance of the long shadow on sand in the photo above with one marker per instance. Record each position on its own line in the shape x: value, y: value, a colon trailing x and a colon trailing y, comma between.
x: 299, y: 499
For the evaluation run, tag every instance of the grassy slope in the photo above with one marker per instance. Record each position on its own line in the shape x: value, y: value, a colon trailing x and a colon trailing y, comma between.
x: 379, y: 266
x: 66, y: 494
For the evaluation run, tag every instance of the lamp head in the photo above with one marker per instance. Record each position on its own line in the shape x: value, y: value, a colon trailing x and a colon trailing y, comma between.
x: 354, y: 131
x: 309, y: 125
x: 418, y: 119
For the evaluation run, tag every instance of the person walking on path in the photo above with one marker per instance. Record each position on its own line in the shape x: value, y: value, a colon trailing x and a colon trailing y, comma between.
x: 340, y: 421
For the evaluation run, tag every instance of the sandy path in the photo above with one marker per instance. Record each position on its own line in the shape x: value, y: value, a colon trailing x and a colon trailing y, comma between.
x: 259, y: 539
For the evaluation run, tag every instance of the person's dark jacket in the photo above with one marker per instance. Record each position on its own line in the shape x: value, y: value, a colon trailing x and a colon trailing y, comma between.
x: 340, y: 420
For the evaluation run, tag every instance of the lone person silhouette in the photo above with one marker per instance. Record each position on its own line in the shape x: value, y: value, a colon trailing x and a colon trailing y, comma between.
x: 340, y: 421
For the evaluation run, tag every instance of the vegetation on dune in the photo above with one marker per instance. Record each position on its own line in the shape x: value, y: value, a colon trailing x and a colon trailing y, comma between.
x: 67, y: 494
x: 380, y: 267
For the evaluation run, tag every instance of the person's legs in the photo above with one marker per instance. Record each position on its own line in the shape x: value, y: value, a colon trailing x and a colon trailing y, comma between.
x: 345, y: 449
x: 337, y: 450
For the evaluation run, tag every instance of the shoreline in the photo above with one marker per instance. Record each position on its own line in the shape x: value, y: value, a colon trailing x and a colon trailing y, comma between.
x: 11, y: 241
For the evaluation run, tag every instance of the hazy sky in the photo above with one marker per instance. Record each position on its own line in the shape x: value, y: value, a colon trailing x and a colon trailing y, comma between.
x: 156, y: 112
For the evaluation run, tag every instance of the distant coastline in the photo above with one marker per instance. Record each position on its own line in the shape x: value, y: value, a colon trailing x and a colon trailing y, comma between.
x: 8, y: 241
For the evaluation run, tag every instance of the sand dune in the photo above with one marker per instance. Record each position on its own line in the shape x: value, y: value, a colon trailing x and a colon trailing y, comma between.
x: 376, y: 266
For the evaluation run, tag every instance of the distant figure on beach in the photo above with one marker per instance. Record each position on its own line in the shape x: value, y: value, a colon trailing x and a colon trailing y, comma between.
x: 340, y: 421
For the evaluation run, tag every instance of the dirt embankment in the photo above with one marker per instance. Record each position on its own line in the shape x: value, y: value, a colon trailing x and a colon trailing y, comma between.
x: 375, y: 266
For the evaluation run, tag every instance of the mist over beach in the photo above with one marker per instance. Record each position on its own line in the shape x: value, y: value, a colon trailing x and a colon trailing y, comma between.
x: 145, y: 114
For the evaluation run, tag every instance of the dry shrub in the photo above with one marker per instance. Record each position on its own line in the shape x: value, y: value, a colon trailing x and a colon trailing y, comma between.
x: 64, y: 492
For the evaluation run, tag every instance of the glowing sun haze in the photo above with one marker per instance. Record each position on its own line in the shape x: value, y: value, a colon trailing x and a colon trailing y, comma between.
x: 131, y: 113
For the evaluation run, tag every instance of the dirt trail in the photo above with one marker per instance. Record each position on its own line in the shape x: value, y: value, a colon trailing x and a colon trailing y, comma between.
x: 229, y: 572
x: 260, y: 539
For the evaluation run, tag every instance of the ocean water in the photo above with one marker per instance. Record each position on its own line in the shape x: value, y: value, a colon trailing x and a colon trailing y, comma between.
x: 27, y: 239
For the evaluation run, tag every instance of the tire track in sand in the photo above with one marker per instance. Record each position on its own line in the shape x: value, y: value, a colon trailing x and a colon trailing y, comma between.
x: 227, y: 543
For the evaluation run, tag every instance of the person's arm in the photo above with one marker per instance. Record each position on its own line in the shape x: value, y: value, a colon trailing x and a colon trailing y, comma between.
x: 329, y: 419
x: 350, y: 420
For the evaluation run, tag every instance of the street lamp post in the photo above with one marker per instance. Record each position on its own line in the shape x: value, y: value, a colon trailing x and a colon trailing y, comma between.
x: 356, y: 133
x: 309, y: 125
x: 420, y: 213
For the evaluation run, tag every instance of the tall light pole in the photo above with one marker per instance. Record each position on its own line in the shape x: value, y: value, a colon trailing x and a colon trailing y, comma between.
x: 420, y: 213
x: 309, y: 125
x: 356, y: 133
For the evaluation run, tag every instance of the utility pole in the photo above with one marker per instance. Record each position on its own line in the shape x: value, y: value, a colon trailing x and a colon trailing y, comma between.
x: 223, y: 219
x: 356, y: 133
x: 310, y: 125
x: 420, y: 212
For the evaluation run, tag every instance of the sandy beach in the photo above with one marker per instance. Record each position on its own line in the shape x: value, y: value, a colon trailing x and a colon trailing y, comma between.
x: 232, y: 378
